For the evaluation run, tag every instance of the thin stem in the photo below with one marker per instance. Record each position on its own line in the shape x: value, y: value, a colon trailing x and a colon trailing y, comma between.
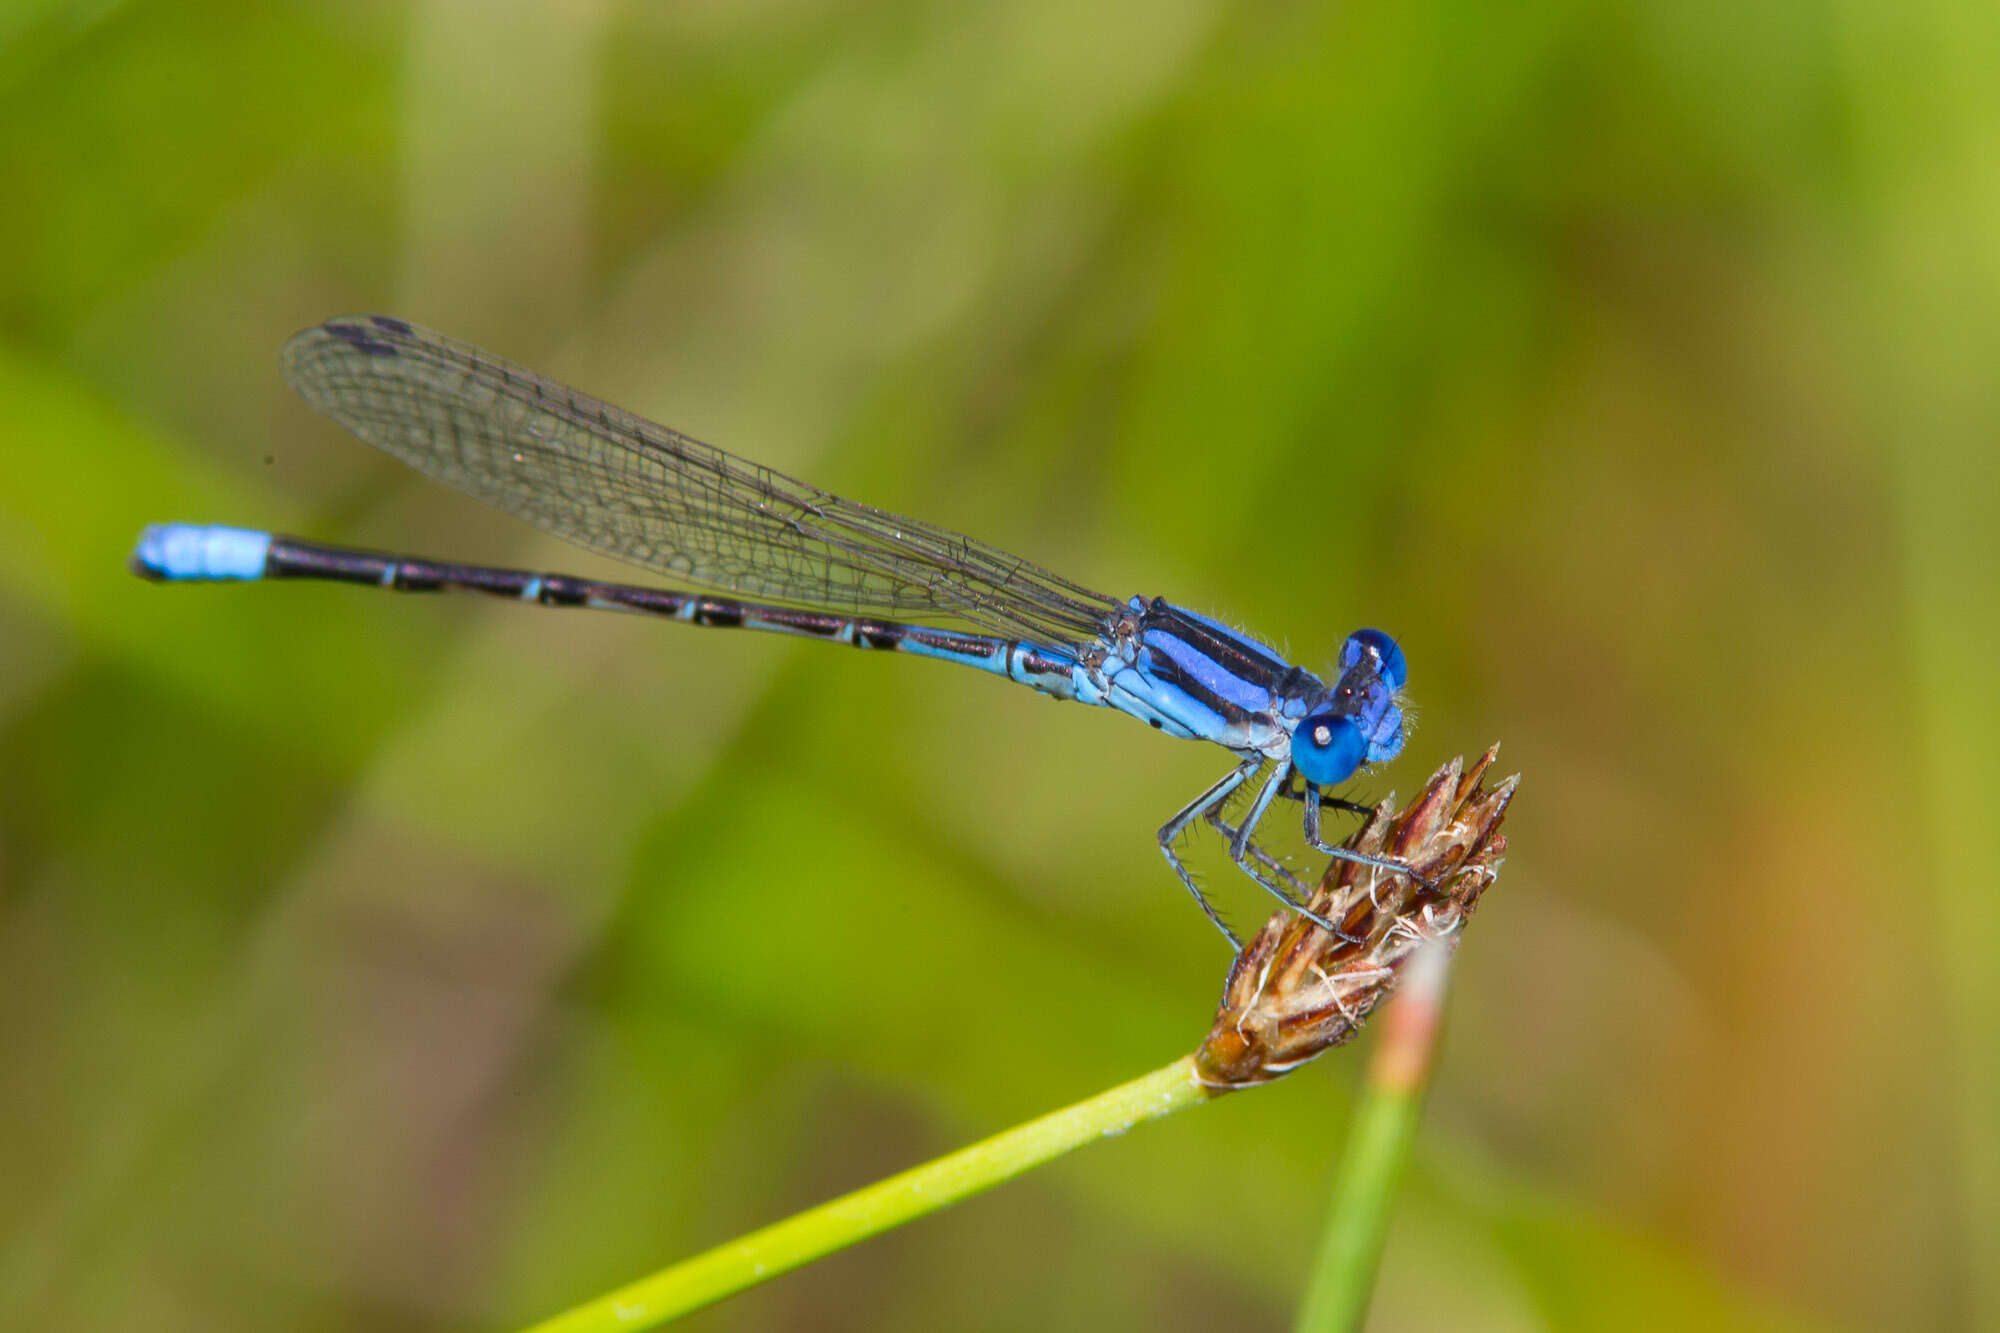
x: 1378, y: 1149
x: 776, y: 1249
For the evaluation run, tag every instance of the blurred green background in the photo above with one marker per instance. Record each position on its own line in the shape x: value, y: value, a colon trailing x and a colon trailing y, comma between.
x: 398, y: 964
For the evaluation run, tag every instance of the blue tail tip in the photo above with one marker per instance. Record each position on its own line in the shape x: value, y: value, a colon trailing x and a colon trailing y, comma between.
x: 198, y: 552
x: 148, y: 558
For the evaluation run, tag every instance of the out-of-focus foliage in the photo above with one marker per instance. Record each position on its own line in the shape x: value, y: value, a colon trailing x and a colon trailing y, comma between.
x: 379, y: 963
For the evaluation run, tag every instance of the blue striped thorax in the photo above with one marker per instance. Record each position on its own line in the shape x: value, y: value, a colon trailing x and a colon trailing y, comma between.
x: 1191, y: 676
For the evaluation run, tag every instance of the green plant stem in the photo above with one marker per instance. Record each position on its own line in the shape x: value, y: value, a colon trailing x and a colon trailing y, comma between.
x: 1378, y: 1150
x: 776, y: 1249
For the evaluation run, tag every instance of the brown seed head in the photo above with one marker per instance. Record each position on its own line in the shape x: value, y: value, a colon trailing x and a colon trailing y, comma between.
x: 1296, y: 990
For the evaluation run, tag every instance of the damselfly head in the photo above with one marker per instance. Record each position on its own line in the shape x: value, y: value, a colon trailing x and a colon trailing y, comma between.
x: 1359, y: 720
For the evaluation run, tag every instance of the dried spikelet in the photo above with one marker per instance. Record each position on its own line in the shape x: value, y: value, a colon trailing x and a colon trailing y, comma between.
x: 1296, y: 991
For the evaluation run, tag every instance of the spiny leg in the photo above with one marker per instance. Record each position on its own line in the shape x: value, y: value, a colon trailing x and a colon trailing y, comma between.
x: 1282, y: 871
x: 1240, y: 848
x: 1263, y: 858
x: 1171, y: 831
x: 1388, y: 863
x: 1326, y: 802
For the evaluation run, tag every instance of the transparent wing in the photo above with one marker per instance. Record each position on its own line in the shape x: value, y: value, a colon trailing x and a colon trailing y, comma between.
x: 616, y: 483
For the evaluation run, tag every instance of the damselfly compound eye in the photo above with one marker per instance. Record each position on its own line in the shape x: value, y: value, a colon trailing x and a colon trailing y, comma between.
x: 1389, y: 662
x: 1326, y: 749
